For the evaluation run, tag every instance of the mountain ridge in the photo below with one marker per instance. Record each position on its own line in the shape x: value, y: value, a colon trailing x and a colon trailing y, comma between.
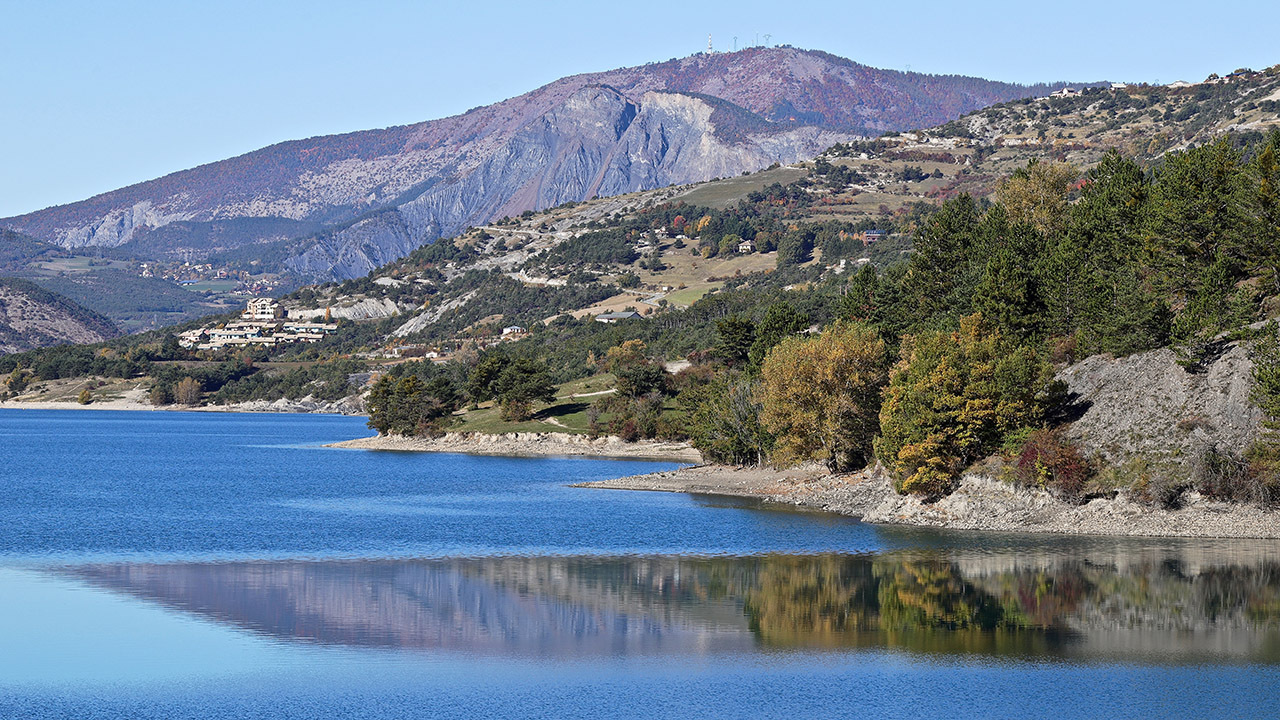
x: 790, y: 104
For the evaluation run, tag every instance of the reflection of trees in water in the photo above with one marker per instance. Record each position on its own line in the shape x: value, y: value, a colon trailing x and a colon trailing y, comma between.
x: 948, y: 602
x: 810, y: 600
x: 917, y: 602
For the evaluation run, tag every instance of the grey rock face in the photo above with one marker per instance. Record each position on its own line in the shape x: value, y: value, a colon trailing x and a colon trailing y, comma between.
x: 598, y: 134
x: 597, y: 143
x: 1148, y: 405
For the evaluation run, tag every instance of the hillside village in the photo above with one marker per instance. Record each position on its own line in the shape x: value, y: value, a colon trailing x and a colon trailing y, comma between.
x: 263, y: 324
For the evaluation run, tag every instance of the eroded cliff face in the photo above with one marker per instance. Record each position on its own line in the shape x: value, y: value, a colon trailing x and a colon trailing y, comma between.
x: 597, y: 143
x: 1149, y: 406
x: 595, y: 134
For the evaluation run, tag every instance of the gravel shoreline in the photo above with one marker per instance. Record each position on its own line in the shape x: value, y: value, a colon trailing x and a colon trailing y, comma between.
x: 136, y: 400
x: 529, y: 445
x: 979, y: 503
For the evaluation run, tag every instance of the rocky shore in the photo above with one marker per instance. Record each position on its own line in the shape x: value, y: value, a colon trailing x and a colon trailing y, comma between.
x: 980, y: 503
x: 529, y: 445
x: 137, y: 400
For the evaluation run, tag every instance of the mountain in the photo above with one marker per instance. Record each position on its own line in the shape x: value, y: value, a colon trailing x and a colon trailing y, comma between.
x: 337, y: 206
x: 32, y: 317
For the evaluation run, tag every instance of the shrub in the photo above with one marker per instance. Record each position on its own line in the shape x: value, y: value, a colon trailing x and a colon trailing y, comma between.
x: 1048, y: 460
x: 85, y: 397
x: 161, y: 394
x: 629, y: 432
x: 1155, y: 483
x: 515, y: 409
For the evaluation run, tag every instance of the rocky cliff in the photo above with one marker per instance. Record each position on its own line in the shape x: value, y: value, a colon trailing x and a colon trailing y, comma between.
x: 375, y: 195
x: 1149, y: 406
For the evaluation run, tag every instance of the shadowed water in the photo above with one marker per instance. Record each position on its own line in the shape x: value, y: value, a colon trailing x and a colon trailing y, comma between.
x: 187, y: 565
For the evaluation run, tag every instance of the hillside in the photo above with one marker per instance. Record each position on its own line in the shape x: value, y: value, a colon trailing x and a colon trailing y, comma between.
x: 32, y: 317
x: 582, y: 259
x: 878, y: 178
x: 338, y: 206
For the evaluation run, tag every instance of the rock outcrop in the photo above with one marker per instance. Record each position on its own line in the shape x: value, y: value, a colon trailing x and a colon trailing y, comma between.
x: 1148, y: 405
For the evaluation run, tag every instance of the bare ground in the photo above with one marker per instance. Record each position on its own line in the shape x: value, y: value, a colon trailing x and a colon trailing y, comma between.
x: 979, y: 503
x: 529, y: 445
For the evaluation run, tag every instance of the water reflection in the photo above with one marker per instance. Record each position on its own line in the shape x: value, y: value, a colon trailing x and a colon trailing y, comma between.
x: 1178, y: 604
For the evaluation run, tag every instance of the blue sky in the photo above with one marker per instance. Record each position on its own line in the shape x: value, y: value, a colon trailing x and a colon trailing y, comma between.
x: 98, y: 95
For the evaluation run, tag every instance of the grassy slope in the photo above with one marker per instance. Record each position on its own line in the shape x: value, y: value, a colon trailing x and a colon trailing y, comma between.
x: 568, y: 414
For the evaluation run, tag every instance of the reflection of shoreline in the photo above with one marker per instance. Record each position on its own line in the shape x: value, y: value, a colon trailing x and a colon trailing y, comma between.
x: 1157, y: 605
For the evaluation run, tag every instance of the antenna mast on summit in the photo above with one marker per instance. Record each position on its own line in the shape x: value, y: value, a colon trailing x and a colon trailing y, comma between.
x: 710, y: 50
x: 735, y: 43
x: 766, y: 39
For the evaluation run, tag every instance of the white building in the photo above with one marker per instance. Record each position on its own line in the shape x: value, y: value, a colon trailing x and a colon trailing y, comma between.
x: 263, y: 308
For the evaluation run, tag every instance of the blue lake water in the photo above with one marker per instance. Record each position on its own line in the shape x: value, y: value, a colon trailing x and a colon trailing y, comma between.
x: 228, y: 566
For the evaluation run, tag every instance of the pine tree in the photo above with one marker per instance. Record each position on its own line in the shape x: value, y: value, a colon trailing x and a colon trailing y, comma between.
x: 938, y: 269
x: 1264, y: 253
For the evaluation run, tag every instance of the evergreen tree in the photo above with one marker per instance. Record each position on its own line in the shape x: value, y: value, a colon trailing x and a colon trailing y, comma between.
x: 735, y: 336
x: 938, y: 274
x: 1264, y: 253
x: 1197, y: 218
x: 780, y: 321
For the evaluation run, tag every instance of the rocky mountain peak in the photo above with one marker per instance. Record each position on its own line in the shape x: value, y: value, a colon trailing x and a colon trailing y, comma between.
x: 378, y: 194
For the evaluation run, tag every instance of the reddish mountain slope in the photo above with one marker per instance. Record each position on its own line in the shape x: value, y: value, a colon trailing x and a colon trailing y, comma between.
x: 679, y: 121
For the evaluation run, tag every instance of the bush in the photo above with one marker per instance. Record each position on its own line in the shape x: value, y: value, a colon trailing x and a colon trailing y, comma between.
x: 629, y: 432
x: 161, y: 394
x: 1161, y: 489
x: 1225, y: 475
x: 1049, y: 461
x: 1151, y: 482
x: 515, y: 409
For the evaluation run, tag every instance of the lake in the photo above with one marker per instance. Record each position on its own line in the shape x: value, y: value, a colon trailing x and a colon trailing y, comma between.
x: 175, y: 565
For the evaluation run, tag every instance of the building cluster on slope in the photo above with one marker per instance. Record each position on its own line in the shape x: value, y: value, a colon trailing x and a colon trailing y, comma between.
x: 263, y: 324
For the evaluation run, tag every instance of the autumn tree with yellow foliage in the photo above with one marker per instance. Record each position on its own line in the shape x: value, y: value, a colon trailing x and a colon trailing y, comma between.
x: 1037, y: 195
x: 821, y: 395
x: 953, y: 398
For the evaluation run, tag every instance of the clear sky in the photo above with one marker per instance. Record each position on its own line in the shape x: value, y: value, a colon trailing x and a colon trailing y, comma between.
x: 98, y: 95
